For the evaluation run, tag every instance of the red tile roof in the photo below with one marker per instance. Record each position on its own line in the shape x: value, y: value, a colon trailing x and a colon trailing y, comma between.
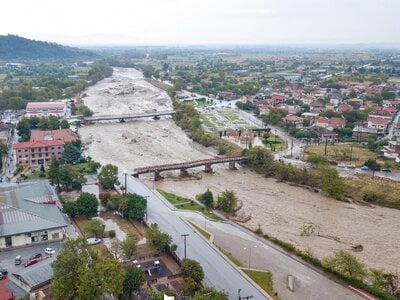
x: 38, y: 105
x: 38, y: 144
x: 65, y: 135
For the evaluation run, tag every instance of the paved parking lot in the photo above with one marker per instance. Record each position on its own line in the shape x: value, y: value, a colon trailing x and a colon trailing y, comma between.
x: 7, y: 257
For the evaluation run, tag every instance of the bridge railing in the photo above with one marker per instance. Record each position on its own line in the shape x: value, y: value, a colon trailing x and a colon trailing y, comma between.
x: 189, y: 164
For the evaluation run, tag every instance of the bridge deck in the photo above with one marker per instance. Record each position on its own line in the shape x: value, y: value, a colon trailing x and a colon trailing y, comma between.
x: 130, y: 116
x: 187, y: 165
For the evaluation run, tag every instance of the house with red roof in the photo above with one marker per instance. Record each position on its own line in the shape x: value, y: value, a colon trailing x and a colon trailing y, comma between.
x: 293, y: 121
x: 344, y: 107
x: 378, y: 122
x: 42, y: 147
x: 45, y: 109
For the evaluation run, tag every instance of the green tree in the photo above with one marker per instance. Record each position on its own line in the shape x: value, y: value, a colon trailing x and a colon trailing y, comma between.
x: 80, y: 274
x: 70, y: 209
x: 94, y: 228
x: 54, y: 123
x: 136, y: 206
x: 316, y: 160
x: 159, y: 240
x: 87, y: 205
x: 259, y: 158
x: 24, y: 129
x: 345, y: 264
x: 207, y: 199
x: 134, y: 280
x: 72, y: 154
x: 108, y: 176
x: 331, y: 183
x: 190, y: 286
x: 129, y: 244
x: 227, y: 201
x: 192, y: 269
x: 70, y: 177
x: 43, y: 123
x: 384, y: 281
x: 54, y: 172
x: 64, y: 124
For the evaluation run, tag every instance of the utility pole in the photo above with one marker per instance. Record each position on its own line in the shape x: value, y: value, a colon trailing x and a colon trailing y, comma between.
x: 326, y: 145
x: 125, y: 189
x: 291, y: 149
x: 351, y: 152
x: 184, y: 238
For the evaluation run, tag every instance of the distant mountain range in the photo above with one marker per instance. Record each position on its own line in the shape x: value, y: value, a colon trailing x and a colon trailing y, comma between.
x: 15, y: 47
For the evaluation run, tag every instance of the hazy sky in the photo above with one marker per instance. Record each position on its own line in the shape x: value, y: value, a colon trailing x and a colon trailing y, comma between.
x: 203, y: 21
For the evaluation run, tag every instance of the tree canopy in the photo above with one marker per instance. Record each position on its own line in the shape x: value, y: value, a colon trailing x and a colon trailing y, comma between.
x: 108, y: 176
x: 80, y: 274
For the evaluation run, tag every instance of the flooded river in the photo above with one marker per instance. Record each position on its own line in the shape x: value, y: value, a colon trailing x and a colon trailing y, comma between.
x: 279, y: 209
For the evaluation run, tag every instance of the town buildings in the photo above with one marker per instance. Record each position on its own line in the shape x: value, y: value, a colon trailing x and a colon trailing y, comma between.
x: 43, y: 145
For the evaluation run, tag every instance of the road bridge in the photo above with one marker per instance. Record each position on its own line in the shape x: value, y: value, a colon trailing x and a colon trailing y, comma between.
x: 183, y: 166
x: 122, y: 118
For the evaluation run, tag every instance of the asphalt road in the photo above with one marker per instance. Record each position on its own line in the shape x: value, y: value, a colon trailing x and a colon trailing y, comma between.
x: 219, y: 273
x: 308, y: 283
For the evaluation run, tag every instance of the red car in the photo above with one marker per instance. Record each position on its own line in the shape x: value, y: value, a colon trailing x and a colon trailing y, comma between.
x: 30, y: 262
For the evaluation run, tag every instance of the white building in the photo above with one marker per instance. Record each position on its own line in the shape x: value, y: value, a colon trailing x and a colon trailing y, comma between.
x: 45, y: 109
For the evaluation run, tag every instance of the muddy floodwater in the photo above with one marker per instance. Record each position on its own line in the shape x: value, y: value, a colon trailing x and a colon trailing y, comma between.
x: 279, y: 209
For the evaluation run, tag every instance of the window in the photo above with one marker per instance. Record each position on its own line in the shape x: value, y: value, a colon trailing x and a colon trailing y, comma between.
x: 33, y: 155
x: 19, y: 150
x: 59, y: 153
x: 46, y: 149
x: 40, y: 154
x: 33, y: 160
x: 40, y: 149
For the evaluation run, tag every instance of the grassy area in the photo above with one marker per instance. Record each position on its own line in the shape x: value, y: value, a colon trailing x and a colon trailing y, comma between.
x: 202, y: 231
x: 124, y: 224
x: 81, y: 222
x: 101, y: 250
x: 36, y: 175
x: 263, y: 279
x: 376, y: 190
x: 340, y: 153
x: 187, y: 204
x: 229, y: 115
x: 205, y: 120
x: 231, y: 257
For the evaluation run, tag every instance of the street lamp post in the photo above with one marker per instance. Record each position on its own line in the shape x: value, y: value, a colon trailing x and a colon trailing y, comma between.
x: 184, y: 237
x: 250, y: 254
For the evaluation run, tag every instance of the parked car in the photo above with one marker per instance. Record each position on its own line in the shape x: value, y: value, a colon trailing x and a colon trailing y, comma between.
x: 49, y: 251
x: 3, y: 276
x: 3, y: 271
x: 93, y: 241
x: 30, y: 262
x: 351, y: 166
x: 36, y: 255
x: 387, y: 170
x: 18, y: 260
x: 341, y: 166
x: 364, y: 168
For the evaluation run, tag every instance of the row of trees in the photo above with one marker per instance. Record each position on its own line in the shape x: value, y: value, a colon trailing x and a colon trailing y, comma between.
x: 44, y: 123
x: 323, y: 176
x: 348, y: 266
x: 132, y: 206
